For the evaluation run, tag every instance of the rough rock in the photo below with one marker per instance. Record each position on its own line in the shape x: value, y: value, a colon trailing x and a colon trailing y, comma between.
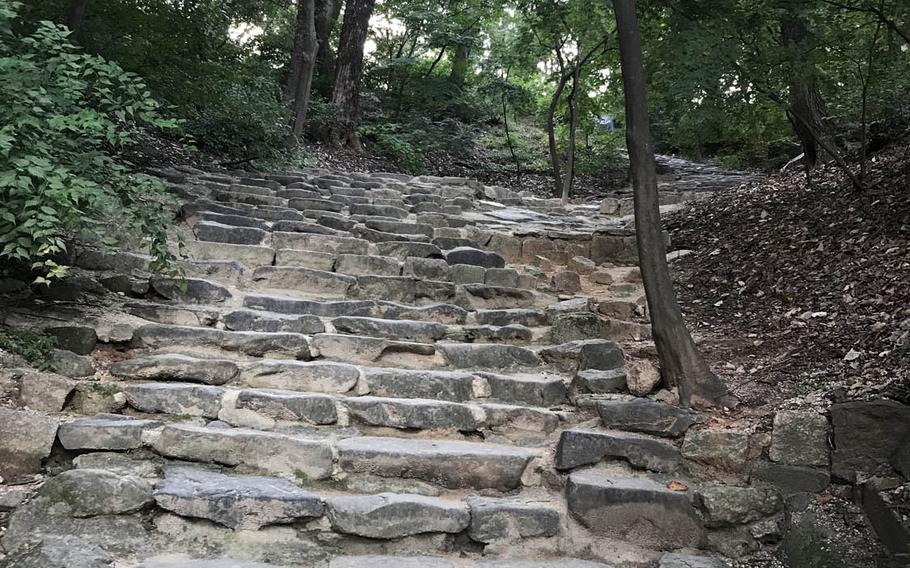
x: 494, y: 519
x: 249, y: 320
x: 69, y: 364
x: 642, y: 377
x: 175, y: 367
x: 190, y: 290
x: 647, y: 417
x: 375, y: 561
x: 677, y: 560
x: 474, y: 256
x: 567, y: 281
x: 579, y: 446
x: 791, y: 479
x: 800, y: 438
x: 866, y: 435
x: 177, y: 399
x: 288, y: 405
x: 79, y: 339
x: 104, y: 434
x: 599, y: 382
x: 315, y: 376
x: 584, y: 354
x: 726, y: 449
x: 391, y: 515
x: 725, y: 505
x: 58, y: 552
x: 242, y: 502
x: 93, y: 492
x: 44, y: 392
x: 467, y: 355
x: 634, y: 509
x: 412, y: 413
x: 25, y: 440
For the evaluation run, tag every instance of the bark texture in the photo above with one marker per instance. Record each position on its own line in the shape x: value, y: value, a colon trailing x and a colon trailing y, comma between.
x: 348, y: 72
x: 327, y: 13
x: 681, y: 363
x: 303, y: 66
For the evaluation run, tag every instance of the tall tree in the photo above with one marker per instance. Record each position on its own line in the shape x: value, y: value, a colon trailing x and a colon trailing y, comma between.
x: 303, y: 65
x: 327, y: 13
x: 681, y: 363
x: 75, y: 16
x: 349, y: 71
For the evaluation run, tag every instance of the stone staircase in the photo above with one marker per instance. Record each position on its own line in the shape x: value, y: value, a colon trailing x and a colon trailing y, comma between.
x: 371, y: 370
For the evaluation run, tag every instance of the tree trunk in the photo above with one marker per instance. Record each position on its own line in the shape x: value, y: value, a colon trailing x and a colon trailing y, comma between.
x: 327, y: 12
x: 681, y: 363
x: 573, y: 129
x: 296, y: 62
x: 75, y: 16
x: 348, y: 72
x: 306, y: 66
x: 460, y: 65
x: 505, y: 121
x: 551, y: 132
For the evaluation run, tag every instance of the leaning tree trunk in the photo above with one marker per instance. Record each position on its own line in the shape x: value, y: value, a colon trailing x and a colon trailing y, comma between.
x: 348, y: 72
x: 306, y: 30
x: 327, y: 12
x: 551, y: 132
x: 681, y: 363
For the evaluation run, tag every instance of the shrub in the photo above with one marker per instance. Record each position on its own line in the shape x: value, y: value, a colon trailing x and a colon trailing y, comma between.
x: 63, y: 117
x: 36, y: 349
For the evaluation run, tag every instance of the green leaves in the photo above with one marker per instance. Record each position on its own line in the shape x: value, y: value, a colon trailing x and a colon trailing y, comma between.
x: 63, y: 110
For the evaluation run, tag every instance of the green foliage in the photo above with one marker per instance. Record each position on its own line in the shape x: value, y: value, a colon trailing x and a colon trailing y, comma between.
x: 391, y: 140
x: 36, y: 349
x: 63, y: 114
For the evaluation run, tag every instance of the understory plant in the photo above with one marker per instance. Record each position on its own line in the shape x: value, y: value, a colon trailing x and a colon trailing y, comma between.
x: 64, y: 115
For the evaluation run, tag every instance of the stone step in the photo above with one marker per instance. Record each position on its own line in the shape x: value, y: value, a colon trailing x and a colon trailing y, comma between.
x: 411, y: 330
x: 647, y: 416
x: 455, y: 465
x: 320, y: 243
x: 389, y: 516
x: 289, y: 457
x: 442, y: 313
x: 580, y: 446
x: 249, y: 255
x: 240, y: 502
x: 175, y: 367
x: 487, y: 356
x: 300, y: 279
x: 301, y: 376
x: 638, y: 510
x: 189, y: 340
x: 403, y: 289
x: 255, y: 320
x: 366, y: 350
x: 231, y: 234
x: 519, y: 316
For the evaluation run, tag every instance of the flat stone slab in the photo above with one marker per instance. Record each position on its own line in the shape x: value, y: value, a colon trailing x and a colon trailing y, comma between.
x: 580, y: 446
x: 369, y: 350
x: 251, y: 320
x: 638, y: 510
x: 190, y: 290
x: 104, y: 434
x: 177, y: 399
x: 289, y: 457
x: 288, y: 405
x: 648, y: 417
x: 450, y: 386
x: 94, y: 492
x: 411, y: 330
x: 449, y: 464
x: 373, y: 561
x: 561, y: 563
x: 222, y: 563
x: 243, y: 502
x: 302, y: 279
x: 495, y: 519
x: 26, y: 439
x: 176, y: 367
x: 303, y: 376
x: 392, y: 515
x: 412, y: 413
x: 252, y: 343
x: 487, y: 356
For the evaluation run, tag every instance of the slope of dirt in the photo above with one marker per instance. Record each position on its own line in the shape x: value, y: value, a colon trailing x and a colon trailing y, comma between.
x: 800, y: 293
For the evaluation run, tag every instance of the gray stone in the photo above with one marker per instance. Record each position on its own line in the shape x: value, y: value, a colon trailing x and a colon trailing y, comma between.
x: 512, y: 417
x: 403, y: 383
x: 501, y: 277
x: 25, y: 440
x: 642, y: 377
x: 11, y: 499
x: 561, y: 563
x: 404, y: 249
x: 677, y: 560
x: 412, y: 413
x: 363, y: 265
x: 190, y: 290
x: 94, y: 492
x: 578, y: 326
x: 901, y: 458
x: 69, y: 364
x: 375, y: 350
x: 248, y: 255
x: 45, y: 392
x: 289, y: 457
x: 302, y: 280
x: 791, y: 479
x: 284, y: 405
x: 315, y: 376
x: 726, y: 505
x: 241, y: 502
x: 394, y: 329
x: 249, y: 320
x: 449, y: 464
x: 584, y: 354
x: 533, y: 390
x: 79, y: 339
x: 175, y: 398
x: 800, y: 438
x: 141, y: 463
x: 310, y: 205
x: 498, y: 297
x: 426, y: 268
x: 647, y: 417
x: 467, y: 274
x: 58, y: 552
x: 578, y: 446
x: 103, y: 434
x: 866, y: 435
x: 324, y: 261
x: 525, y: 317
x: 638, y: 510
x: 379, y: 211
x: 599, y: 382
x: 231, y: 234
x: 290, y: 305
x: 173, y: 367
x: 93, y: 397
x: 474, y: 256
x: 252, y: 343
x: 510, y: 520
x: 582, y: 265
x: 373, y: 561
x: 390, y: 515
x: 726, y: 449
x: 567, y: 281
x: 466, y: 355
x: 403, y: 289
x: 336, y: 245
